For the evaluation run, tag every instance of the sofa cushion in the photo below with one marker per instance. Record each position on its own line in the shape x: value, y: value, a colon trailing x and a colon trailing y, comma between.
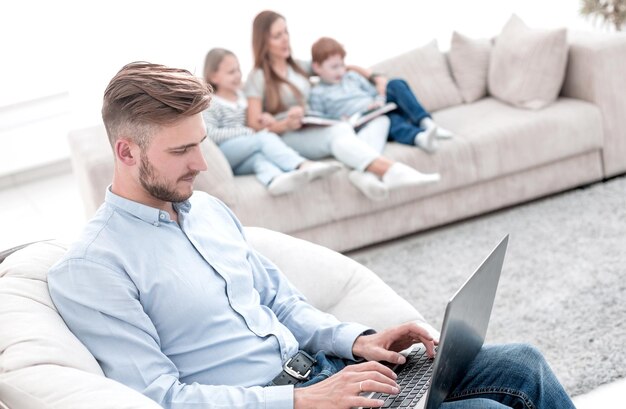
x: 335, y: 198
x: 505, y: 139
x: 527, y: 66
x: 469, y: 62
x: 427, y: 73
x: 38, y: 335
x: 54, y: 386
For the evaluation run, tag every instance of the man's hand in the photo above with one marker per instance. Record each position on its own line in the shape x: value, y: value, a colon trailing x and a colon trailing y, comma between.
x: 343, y: 389
x: 385, y: 345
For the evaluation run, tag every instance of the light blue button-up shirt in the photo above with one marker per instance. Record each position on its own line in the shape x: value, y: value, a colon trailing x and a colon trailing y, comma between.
x: 187, y: 312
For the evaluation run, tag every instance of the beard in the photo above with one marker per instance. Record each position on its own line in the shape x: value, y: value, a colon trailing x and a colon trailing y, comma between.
x: 157, y: 186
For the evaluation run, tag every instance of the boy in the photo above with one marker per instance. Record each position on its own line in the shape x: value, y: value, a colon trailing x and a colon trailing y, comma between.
x: 342, y: 93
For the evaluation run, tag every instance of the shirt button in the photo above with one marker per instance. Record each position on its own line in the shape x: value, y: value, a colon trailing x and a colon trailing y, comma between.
x: 161, y: 216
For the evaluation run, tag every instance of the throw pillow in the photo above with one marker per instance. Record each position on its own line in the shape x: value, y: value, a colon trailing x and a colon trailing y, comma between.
x: 426, y: 71
x: 527, y: 65
x: 469, y: 62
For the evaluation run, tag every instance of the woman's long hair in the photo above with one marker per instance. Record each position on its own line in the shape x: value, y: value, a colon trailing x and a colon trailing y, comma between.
x: 260, y: 38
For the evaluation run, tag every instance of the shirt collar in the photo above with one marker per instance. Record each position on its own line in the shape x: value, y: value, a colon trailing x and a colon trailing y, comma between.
x: 146, y: 213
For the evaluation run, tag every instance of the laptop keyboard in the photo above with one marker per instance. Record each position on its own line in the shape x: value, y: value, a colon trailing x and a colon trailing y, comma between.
x: 413, y: 379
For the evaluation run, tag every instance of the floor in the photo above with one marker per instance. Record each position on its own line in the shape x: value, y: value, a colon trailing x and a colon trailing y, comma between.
x: 52, y: 208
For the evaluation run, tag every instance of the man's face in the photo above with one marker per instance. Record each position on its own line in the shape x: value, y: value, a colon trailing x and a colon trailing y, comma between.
x: 173, y: 159
x: 331, y: 70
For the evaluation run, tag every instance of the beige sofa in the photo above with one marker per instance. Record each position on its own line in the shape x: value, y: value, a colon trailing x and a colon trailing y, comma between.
x: 42, y: 364
x: 502, y: 155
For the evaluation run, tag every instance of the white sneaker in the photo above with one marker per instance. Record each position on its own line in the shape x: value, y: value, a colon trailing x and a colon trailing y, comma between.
x: 369, y: 185
x: 400, y: 175
x: 426, y: 139
x: 316, y: 170
x: 287, y: 182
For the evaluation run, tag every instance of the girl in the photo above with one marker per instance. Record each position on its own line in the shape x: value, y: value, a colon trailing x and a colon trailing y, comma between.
x: 278, y: 85
x: 263, y: 153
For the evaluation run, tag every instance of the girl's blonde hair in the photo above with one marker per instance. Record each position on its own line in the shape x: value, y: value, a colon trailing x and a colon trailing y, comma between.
x: 260, y: 37
x: 212, y: 63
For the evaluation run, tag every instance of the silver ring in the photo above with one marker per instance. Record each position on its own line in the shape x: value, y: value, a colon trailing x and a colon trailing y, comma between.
x: 361, y: 386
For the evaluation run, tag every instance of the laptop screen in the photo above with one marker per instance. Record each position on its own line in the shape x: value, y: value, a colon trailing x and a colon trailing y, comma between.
x: 465, y: 326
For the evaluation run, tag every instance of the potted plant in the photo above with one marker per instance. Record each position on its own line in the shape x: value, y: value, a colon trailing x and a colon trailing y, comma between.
x: 612, y: 12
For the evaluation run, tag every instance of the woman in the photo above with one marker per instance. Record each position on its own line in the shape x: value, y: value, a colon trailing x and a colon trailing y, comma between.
x: 277, y: 91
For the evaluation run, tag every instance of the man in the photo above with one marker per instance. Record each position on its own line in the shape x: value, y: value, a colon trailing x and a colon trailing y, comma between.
x: 165, y: 292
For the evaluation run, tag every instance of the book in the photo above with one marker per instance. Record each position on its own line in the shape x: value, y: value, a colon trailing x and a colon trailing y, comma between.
x: 361, y: 118
x: 357, y: 120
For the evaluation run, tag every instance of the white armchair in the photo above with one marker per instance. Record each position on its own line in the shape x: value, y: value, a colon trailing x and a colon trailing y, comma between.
x: 42, y: 364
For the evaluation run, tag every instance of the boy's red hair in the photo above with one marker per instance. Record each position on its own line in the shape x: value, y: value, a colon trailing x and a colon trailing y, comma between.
x: 324, y: 48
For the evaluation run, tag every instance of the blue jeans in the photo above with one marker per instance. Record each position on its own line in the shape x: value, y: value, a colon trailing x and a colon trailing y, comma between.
x: 406, y: 119
x: 263, y: 154
x: 325, y: 367
x: 501, y: 376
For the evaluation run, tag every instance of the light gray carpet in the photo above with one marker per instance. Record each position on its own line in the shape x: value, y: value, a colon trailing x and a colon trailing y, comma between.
x: 563, y: 286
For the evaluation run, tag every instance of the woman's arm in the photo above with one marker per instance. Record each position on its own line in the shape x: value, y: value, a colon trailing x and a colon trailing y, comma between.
x: 257, y: 119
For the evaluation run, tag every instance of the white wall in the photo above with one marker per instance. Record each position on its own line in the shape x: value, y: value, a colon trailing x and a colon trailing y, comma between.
x: 77, y: 46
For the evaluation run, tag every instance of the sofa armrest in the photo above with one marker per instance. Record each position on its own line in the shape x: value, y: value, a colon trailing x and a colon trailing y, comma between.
x: 92, y: 161
x: 596, y: 73
x: 218, y: 180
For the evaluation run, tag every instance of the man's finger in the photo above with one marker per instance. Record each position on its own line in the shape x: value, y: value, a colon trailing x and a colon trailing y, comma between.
x: 372, y: 366
x: 371, y: 385
x: 363, y: 402
x: 416, y: 331
x: 389, y: 356
x: 430, y: 348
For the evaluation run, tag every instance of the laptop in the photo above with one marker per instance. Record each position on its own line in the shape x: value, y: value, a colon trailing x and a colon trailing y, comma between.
x: 424, y: 382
